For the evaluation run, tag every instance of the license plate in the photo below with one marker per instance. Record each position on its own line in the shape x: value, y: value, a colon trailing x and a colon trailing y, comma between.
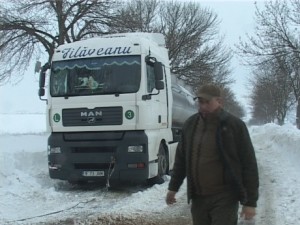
x: 93, y: 173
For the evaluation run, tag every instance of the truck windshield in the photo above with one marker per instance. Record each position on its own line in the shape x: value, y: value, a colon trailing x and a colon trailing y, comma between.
x: 94, y: 76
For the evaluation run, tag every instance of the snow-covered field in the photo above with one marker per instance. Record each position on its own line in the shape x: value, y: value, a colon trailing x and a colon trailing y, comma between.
x: 29, y: 196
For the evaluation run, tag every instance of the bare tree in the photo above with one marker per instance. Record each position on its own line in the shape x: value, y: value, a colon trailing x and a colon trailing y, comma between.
x: 197, y: 53
x: 27, y: 28
x: 231, y: 104
x: 271, y: 97
x: 262, y: 108
x: 276, y: 37
x: 136, y: 15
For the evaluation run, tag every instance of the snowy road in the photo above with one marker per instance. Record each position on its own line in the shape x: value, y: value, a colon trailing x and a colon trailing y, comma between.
x: 29, y: 196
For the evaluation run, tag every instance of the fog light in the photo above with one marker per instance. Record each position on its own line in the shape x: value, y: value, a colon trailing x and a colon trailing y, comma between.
x: 54, y: 166
x: 138, y: 148
x: 53, y: 150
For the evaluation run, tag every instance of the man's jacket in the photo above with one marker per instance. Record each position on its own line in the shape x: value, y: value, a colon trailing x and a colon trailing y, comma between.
x: 235, y: 149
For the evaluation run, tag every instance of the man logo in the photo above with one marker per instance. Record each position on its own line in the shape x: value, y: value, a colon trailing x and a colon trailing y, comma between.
x: 91, y: 120
x: 91, y: 116
x: 91, y: 113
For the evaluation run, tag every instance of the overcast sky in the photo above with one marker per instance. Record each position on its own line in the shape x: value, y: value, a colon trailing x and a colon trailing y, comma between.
x: 237, y: 18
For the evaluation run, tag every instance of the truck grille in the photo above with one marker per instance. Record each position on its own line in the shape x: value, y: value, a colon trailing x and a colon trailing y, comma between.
x: 92, y: 117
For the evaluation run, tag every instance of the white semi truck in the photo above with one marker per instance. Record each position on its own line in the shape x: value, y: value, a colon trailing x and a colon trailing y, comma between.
x: 113, y: 109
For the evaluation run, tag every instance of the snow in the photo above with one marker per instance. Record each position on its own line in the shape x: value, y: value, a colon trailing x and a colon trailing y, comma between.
x: 29, y: 196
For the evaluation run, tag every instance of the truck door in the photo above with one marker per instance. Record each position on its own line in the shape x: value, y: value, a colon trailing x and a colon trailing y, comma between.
x: 157, y: 92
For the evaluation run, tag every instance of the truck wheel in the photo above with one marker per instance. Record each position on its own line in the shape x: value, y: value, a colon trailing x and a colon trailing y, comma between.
x: 163, y: 167
x: 163, y: 161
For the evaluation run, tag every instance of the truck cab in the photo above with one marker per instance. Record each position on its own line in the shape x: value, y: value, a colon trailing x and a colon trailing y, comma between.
x: 110, y: 109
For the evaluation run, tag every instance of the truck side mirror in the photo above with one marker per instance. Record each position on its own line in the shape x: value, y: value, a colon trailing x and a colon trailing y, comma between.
x: 43, y: 75
x: 41, y: 92
x: 158, y: 71
x: 159, y: 85
x: 42, y: 79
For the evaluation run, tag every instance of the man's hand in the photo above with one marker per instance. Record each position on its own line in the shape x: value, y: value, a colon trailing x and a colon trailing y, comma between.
x: 170, y: 199
x: 248, y: 212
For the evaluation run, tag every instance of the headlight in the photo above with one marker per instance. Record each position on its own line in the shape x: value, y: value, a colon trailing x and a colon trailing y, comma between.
x: 138, y: 148
x: 53, y: 150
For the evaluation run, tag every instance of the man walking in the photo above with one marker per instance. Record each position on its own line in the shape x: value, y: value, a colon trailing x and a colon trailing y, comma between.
x: 216, y: 156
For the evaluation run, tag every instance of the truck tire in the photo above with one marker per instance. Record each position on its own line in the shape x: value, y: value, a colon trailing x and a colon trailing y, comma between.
x: 163, y: 161
x: 163, y: 166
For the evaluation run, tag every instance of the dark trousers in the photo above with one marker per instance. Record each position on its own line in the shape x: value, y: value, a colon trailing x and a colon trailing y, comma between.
x: 218, y: 209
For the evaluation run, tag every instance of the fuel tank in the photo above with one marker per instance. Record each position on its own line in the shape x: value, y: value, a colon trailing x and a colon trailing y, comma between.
x: 184, y: 104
